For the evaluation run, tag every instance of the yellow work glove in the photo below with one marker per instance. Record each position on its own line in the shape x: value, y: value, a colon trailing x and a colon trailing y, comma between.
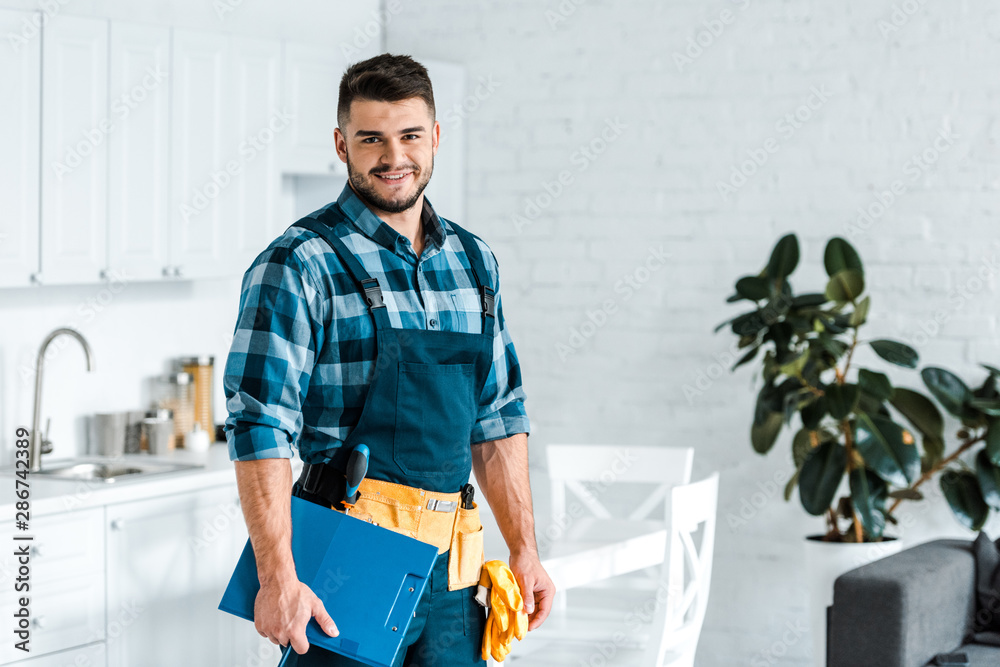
x: 507, y: 618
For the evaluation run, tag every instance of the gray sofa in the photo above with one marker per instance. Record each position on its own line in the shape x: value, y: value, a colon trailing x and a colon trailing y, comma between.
x: 903, y: 610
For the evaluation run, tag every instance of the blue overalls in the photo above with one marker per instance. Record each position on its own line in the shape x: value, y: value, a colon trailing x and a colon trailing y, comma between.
x: 417, y: 421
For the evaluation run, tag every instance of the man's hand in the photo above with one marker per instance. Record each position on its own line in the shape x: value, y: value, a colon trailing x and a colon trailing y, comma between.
x: 282, y: 611
x: 537, y: 588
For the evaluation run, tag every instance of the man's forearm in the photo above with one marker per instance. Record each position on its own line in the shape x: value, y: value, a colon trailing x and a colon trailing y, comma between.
x: 501, y: 468
x: 265, y: 487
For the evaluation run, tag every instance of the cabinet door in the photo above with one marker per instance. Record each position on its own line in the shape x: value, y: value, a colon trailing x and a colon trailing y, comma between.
x: 92, y: 655
x: 446, y: 190
x: 312, y: 85
x: 66, y: 570
x: 139, y: 174
x: 260, y: 124
x: 172, y: 558
x: 75, y: 129
x: 201, y: 142
x: 20, y: 70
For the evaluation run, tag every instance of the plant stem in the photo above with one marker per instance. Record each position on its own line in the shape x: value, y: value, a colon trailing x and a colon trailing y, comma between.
x: 939, y: 466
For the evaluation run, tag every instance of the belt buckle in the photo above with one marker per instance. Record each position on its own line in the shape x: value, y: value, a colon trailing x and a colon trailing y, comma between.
x: 436, y: 505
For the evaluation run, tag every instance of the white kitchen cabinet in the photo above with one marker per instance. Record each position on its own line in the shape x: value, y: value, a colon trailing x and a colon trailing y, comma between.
x: 446, y: 190
x: 259, y: 124
x: 227, y: 125
x: 20, y: 114
x: 201, y: 145
x: 170, y: 559
x: 91, y: 655
x: 66, y: 579
x: 139, y: 145
x: 312, y: 85
x: 75, y: 127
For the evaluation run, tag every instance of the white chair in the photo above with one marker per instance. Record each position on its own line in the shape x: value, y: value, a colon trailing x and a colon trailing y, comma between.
x: 654, y: 630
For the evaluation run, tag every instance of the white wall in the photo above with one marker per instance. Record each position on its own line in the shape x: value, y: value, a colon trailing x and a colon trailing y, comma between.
x: 654, y: 186
x: 135, y: 328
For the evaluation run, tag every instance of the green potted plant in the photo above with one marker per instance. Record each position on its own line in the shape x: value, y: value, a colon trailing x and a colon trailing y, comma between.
x: 853, y: 424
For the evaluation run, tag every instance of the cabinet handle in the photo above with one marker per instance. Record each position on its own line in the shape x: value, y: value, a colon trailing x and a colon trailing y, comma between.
x: 167, y: 271
x: 37, y: 550
x: 334, y: 166
x: 36, y: 278
x: 39, y: 622
x: 177, y: 272
x: 118, y: 524
x: 103, y: 275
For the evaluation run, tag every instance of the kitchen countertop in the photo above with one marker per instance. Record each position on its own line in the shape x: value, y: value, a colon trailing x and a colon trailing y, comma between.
x: 53, y: 496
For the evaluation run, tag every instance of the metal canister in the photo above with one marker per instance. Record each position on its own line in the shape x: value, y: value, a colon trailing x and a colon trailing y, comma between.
x: 176, y: 392
x: 201, y: 369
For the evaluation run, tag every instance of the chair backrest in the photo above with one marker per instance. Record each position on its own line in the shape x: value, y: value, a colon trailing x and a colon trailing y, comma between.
x: 572, y: 466
x: 677, y: 623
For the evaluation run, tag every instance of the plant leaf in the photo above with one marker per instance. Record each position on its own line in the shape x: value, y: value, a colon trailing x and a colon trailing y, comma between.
x: 993, y: 441
x: 988, y: 406
x: 745, y: 358
x: 896, y: 353
x: 753, y: 288
x: 961, y: 490
x: 919, y: 411
x: 860, y: 314
x: 846, y: 285
x: 809, y: 300
x: 876, y: 384
x: 988, y: 476
x: 763, y: 436
x: 906, y: 494
x: 784, y: 257
x: 813, y: 413
x: 866, y: 490
x: 947, y: 388
x: 880, y: 442
x: 841, y: 399
x: 790, y: 487
x: 820, y: 476
x: 840, y: 255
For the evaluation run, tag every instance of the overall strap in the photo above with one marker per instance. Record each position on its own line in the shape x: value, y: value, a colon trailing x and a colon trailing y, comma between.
x: 369, y: 286
x: 482, y: 276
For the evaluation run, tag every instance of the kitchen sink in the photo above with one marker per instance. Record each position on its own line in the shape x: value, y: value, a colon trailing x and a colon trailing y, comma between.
x: 109, y: 470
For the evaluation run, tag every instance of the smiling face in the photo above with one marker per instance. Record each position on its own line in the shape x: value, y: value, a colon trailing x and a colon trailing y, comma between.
x: 389, y: 148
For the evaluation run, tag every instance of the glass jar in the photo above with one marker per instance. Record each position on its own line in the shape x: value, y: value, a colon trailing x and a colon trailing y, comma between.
x: 201, y: 369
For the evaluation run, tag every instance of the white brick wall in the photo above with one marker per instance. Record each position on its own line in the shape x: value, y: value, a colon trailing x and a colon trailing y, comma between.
x: 656, y: 184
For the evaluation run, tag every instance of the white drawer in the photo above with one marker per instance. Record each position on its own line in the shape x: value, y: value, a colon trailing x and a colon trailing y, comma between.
x: 64, y: 545
x: 63, y: 613
x: 92, y: 655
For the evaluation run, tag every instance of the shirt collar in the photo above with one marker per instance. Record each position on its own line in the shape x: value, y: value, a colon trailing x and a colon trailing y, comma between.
x: 377, y: 230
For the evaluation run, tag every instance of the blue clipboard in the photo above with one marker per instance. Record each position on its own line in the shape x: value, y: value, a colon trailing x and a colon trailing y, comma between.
x: 369, y: 579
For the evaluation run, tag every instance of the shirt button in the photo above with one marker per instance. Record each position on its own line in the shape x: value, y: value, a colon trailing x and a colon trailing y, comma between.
x: 433, y: 323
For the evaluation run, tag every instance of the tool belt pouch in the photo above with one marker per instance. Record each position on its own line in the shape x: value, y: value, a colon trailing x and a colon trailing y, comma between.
x: 466, y: 556
x: 402, y: 510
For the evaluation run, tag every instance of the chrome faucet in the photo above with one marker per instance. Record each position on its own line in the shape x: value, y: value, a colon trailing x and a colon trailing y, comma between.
x: 36, y: 443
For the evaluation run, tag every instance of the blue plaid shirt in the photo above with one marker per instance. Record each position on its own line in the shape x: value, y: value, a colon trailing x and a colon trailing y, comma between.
x: 303, y: 351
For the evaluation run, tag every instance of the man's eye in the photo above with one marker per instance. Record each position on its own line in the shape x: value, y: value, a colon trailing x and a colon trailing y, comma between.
x: 415, y: 136
x: 369, y: 140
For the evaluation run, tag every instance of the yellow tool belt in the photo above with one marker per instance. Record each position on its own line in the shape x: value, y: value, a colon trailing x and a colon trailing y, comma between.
x: 431, y: 517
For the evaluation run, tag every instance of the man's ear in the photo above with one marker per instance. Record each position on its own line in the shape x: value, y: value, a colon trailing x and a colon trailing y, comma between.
x: 340, y: 142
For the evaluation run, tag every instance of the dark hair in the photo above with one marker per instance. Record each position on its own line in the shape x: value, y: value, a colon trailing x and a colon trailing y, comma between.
x: 384, y: 78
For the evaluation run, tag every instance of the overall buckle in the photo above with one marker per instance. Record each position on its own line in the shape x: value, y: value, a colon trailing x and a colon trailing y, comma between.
x: 486, y: 297
x: 373, y: 293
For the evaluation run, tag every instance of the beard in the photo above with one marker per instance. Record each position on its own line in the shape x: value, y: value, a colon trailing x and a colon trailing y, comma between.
x: 366, y: 189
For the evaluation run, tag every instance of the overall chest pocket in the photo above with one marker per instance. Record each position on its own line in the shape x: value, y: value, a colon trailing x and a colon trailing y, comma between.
x: 436, y: 407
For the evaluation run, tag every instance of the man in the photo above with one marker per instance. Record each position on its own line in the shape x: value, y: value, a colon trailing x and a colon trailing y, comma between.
x: 375, y: 321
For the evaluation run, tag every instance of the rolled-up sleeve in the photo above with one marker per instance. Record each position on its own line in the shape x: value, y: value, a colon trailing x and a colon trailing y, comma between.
x: 275, y: 344
x: 501, y: 407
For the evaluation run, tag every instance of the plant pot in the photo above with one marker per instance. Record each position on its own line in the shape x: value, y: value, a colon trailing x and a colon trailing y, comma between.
x: 825, y: 561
